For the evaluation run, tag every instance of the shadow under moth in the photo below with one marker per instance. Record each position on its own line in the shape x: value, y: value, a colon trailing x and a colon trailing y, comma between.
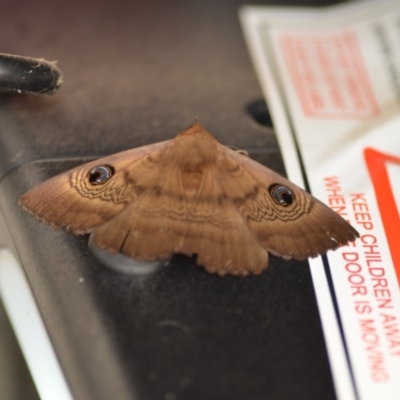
x: 194, y: 196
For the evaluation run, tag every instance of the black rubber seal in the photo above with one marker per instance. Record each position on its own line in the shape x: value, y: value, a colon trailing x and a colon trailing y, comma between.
x: 24, y: 75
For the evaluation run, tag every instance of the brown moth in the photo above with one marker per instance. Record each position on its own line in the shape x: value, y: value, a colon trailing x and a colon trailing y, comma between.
x: 190, y: 195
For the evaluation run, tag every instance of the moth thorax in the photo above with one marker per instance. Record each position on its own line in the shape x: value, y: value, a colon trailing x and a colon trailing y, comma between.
x: 195, y: 151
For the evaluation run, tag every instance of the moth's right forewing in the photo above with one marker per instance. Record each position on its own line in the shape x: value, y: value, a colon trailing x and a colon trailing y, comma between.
x: 303, y: 228
x: 70, y: 200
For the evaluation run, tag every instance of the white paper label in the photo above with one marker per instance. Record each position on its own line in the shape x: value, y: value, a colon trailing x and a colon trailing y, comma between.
x: 332, y: 82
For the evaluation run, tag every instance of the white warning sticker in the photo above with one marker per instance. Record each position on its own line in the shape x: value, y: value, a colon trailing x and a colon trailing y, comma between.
x: 331, y: 78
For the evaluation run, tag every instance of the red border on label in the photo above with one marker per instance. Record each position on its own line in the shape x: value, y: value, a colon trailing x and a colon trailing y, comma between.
x: 376, y: 164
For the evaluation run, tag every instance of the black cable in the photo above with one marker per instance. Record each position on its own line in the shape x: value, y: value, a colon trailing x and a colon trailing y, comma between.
x: 24, y: 75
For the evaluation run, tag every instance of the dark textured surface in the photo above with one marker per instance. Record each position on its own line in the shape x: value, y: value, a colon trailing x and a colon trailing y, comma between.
x: 182, y: 330
x: 135, y: 73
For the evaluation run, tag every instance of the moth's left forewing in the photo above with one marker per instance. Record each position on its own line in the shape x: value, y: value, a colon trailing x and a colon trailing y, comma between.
x: 72, y: 201
x: 303, y: 227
